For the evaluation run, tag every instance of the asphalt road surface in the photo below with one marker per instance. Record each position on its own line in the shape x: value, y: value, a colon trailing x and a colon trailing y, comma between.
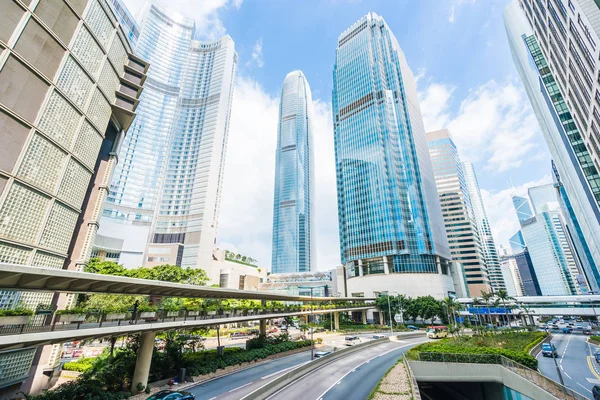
x: 577, y: 365
x: 336, y: 380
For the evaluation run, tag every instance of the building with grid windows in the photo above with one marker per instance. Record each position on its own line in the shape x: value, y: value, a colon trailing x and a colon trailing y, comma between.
x: 69, y: 91
x: 490, y: 253
x: 392, y: 234
x: 457, y: 210
x: 293, y: 216
x: 512, y: 276
x: 545, y: 38
x: 164, y: 201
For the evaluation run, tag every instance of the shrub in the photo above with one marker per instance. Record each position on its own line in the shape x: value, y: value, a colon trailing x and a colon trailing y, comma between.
x: 595, y: 338
x: 15, y: 312
x: 81, y: 365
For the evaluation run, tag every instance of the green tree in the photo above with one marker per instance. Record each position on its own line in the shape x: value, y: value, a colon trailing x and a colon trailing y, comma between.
x: 504, y: 297
x: 429, y: 308
x: 451, y: 306
x: 411, y: 309
x: 486, y: 298
x: 99, y: 266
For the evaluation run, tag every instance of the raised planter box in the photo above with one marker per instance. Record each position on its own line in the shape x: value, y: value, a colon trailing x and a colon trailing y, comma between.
x: 212, y: 313
x: 71, y: 318
x: 172, y: 313
x: 193, y: 313
x: 148, y: 314
x: 115, y: 316
x: 14, y: 320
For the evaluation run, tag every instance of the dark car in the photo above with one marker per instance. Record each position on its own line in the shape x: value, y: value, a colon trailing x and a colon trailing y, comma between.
x: 596, y: 392
x: 549, y: 350
x: 597, y: 357
x: 412, y: 328
x: 172, y: 395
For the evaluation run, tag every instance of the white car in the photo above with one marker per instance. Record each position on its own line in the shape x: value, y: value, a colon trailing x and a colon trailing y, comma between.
x: 352, y: 340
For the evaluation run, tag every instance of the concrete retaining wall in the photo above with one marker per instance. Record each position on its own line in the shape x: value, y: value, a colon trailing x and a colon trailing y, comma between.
x: 425, y: 371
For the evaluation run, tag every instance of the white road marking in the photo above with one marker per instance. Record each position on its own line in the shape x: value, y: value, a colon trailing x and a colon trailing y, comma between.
x: 584, y: 387
x: 283, y: 370
x: 565, y: 351
x: 363, y: 363
x: 565, y: 372
x: 213, y: 398
x: 239, y: 387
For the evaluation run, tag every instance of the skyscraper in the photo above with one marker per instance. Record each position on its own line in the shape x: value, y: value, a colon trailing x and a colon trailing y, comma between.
x: 457, y: 210
x: 293, y: 211
x: 517, y: 243
x: 163, y: 206
x: 392, y: 233
x: 522, y: 208
x: 482, y: 222
x: 70, y: 89
x: 574, y: 170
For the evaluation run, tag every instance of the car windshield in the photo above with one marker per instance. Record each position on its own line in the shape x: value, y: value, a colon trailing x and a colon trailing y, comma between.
x: 547, y: 346
x: 350, y: 338
x: 159, y: 395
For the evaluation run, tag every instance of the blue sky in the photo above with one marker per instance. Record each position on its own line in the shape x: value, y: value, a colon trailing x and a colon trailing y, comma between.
x: 466, y: 80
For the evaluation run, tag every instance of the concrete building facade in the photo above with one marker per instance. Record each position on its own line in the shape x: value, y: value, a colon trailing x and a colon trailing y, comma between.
x: 457, y: 210
x: 68, y: 93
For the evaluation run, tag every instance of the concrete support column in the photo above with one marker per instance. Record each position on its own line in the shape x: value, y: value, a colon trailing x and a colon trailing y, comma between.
x: 263, y: 327
x: 364, y: 317
x: 144, y: 358
x: 336, y: 321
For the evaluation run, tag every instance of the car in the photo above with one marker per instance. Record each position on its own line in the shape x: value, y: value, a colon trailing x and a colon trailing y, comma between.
x: 379, y: 336
x: 549, y: 350
x: 273, y: 330
x: 587, y: 331
x: 596, y: 392
x: 352, y: 340
x: 553, y: 326
x: 320, y: 354
x: 172, y: 395
x: 597, y: 357
x: 567, y: 329
x: 238, y: 335
x: 412, y: 328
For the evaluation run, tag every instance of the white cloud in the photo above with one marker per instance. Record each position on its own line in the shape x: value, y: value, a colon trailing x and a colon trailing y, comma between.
x: 454, y: 5
x: 500, y: 210
x: 205, y: 13
x: 247, y: 203
x: 257, y: 54
x: 494, y: 125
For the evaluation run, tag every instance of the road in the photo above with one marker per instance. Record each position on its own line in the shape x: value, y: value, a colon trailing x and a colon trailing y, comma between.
x: 335, y: 380
x: 578, y: 367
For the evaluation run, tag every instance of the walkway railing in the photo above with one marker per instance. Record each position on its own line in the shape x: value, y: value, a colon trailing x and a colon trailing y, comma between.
x: 60, y: 322
x: 552, y: 387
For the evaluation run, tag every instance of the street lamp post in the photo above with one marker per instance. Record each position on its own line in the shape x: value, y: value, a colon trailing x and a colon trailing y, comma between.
x: 312, y: 331
x: 390, y: 314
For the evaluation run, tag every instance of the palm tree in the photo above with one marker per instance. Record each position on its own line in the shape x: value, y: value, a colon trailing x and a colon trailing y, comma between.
x: 451, y: 305
x: 477, y: 302
x: 486, y: 297
x: 504, y: 297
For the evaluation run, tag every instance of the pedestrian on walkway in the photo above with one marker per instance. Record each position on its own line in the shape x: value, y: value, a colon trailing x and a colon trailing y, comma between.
x: 135, y: 310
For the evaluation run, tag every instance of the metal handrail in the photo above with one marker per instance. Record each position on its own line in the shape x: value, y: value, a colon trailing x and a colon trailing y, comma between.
x: 549, y: 385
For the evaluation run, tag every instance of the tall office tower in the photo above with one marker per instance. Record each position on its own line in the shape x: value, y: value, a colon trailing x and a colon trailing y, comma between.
x: 69, y: 90
x: 560, y: 112
x: 512, y: 276
x: 531, y: 286
x: 492, y: 260
x: 457, y: 210
x: 392, y: 235
x: 542, y: 234
x: 293, y: 211
x: 163, y: 206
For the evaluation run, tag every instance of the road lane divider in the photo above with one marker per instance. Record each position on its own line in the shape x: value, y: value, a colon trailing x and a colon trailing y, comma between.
x: 287, y: 378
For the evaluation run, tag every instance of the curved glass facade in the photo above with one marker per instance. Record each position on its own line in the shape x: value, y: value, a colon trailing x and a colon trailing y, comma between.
x: 390, y: 218
x: 293, y: 240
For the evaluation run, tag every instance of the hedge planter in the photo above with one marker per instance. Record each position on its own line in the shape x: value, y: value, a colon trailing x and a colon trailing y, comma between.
x: 14, y: 320
x: 115, y: 316
x: 71, y: 318
x: 148, y: 314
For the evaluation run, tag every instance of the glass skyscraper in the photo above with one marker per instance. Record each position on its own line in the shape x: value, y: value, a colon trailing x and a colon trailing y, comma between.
x: 163, y: 205
x: 293, y: 211
x: 574, y: 170
x: 390, y: 220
